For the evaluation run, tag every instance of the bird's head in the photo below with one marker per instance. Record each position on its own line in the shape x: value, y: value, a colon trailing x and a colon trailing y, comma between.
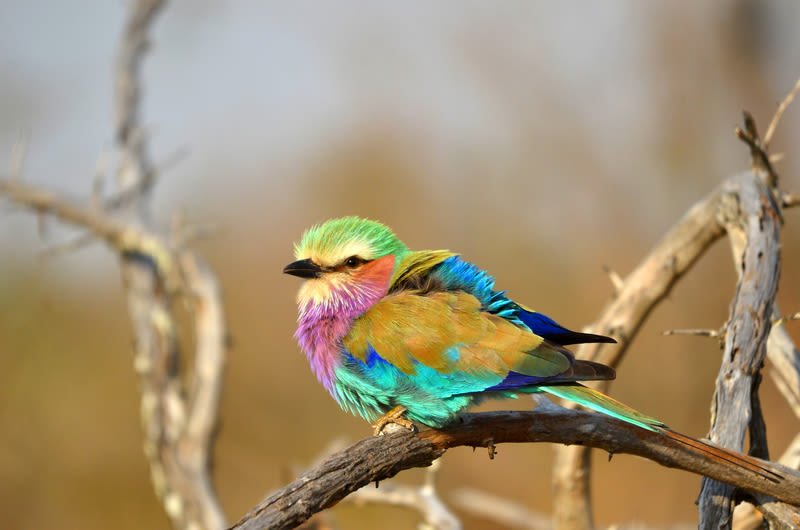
x: 346, y: 258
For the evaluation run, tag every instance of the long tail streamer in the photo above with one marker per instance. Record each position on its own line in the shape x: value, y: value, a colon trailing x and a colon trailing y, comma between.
x: 599, y: 402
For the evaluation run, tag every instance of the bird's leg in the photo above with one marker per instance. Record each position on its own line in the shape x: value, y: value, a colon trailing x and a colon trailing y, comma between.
x: 393, y: 416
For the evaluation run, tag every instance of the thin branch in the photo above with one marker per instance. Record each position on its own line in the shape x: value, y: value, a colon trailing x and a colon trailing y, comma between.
x: 790, y: 200
x: 614, y: 277
x: 712, y: 333
x: 785, y: 359
x: 68, y: 247
x: 380, y: 457
x: 423, y: 499
x: 773, y: 125
x: 136, y: 170
x: 115, y: 202
x: 183, y: 233
x: 124, y: 238
x: 500, y: 510
x: 786, y: 318
x: 774, y: 158
x: 759, y: 159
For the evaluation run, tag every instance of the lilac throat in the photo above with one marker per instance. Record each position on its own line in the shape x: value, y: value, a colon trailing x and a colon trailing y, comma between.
x: 322, y: 326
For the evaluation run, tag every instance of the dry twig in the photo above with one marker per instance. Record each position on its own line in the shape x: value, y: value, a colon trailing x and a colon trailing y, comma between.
x: 773, y: 124
x: 614, y: 277
x: 711, y: 333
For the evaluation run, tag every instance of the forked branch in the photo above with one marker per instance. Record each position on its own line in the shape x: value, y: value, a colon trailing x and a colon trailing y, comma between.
x: 735, y: 205
x: 179, y: 409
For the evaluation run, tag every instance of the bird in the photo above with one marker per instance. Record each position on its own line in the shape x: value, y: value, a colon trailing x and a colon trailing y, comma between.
x: 402, y: 336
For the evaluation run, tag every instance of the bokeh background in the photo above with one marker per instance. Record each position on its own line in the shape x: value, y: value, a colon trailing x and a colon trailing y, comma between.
x: 541, y: 140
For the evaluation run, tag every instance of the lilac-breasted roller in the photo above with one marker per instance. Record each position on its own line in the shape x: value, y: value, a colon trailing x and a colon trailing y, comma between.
x: 424, y: 333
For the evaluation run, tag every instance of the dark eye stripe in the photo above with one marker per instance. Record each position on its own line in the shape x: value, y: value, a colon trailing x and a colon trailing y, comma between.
x: 352, y: 262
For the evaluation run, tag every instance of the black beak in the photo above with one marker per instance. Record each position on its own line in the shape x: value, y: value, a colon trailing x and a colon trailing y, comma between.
x: 304, y: 268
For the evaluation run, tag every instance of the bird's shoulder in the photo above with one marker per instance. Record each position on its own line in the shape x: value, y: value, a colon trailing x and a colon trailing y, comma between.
x: 427, y: 272
x: 414, y: 271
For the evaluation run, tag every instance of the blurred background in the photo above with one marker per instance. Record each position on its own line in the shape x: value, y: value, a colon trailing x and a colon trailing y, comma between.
x: 541, y: 140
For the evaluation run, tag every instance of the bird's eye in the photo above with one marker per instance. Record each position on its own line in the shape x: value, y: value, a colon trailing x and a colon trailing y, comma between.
x: 352, y: 261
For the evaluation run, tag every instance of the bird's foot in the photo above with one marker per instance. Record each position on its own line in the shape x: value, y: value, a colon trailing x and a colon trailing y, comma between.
x: 394, y: 416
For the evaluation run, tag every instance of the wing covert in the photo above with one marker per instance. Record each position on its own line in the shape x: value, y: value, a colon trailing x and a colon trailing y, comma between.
x: 449, y: 333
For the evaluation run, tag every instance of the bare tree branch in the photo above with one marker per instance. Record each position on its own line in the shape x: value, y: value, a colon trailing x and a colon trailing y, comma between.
x: 179, y: 424
x: 752, y: 217
x: 178, y: 429
x: 370, y: 460
x: 644, y: 288
x: 380, y: 457
x: 752, y: 223
x: 785, y: 372
x: 648, y: 284
x: 124, y: 238
x: 179, y: 410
